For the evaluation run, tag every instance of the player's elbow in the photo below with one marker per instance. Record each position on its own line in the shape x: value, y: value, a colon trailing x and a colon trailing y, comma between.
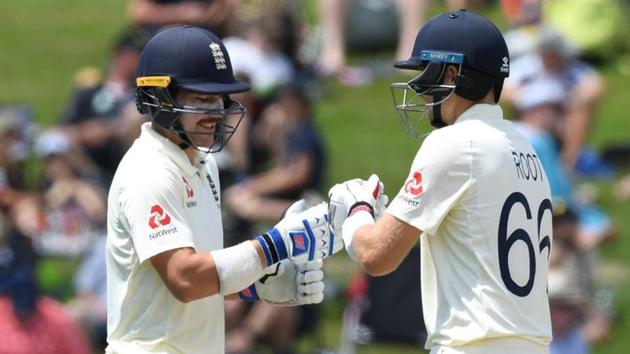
x: 183, y: 292
x: 376, y: 266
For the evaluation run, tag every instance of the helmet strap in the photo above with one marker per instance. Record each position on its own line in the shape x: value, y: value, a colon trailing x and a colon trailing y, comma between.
x: 437, y: 121
x: 177, y: 128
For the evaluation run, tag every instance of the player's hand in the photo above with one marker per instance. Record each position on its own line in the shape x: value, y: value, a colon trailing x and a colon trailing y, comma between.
x: 352, y: 197
x: 289, y: 284
x: 302, y: 235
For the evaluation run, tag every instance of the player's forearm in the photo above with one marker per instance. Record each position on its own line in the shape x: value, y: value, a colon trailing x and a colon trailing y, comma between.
x: 372, y: 252
x: 381, y: 247
x: 191, y: 275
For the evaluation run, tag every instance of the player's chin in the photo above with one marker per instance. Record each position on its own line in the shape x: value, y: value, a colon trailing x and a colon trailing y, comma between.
x: 204, y: 140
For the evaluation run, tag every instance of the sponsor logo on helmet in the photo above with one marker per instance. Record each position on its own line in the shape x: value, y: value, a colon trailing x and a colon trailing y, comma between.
x: 505, y: 67
x: 413, y: 185
x: 158, y: 217
x: 217, y: 55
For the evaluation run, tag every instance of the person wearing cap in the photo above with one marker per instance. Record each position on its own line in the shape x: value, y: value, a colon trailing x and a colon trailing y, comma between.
x: 555, y: 58
x: 476, y: 197
x: 167, y: 270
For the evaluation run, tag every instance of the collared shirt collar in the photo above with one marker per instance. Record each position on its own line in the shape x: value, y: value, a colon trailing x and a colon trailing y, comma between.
x: 481, y: 111
x: 168, y: 148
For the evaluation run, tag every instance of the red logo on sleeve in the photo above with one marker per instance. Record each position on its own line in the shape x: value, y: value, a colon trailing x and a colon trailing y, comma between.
x: 158, y: 217
x: 189, y: 190
x: 413, y: 185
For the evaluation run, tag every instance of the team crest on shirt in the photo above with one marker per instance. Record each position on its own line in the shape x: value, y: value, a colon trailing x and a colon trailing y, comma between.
x: 190, y: 203
x: 413, y: 185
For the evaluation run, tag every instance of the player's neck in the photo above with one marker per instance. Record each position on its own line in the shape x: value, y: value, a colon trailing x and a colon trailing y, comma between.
x: 460, y: 105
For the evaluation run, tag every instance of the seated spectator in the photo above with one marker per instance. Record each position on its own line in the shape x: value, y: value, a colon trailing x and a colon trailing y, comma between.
x: 556, y: 60
x: 96, y: 118
x: 16, y: 127
x: 73, y: 208
x: 30, y: 324
x: 335, y: 14
x: 151, y: 15
x: 576, y: 321
x: 524, y: 18
x: 287, y: 128
x: 265, y: 48
x: 539, y: 110
x: 89, y: 306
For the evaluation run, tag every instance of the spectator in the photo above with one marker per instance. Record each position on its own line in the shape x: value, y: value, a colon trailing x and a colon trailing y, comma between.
x: 89, y: 307
x: 30, y: 323
x: 73, y: 207
x: 539, y: 109
x: 16, y: 128
x: 288, y: 130
x: 576, y: 322
x: 556, y: 60
x: 93, y: 119
x: 334, y: 13
x: 151, y: 15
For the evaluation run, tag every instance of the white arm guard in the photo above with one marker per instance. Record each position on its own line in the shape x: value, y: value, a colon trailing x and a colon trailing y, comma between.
x: 237, y: 266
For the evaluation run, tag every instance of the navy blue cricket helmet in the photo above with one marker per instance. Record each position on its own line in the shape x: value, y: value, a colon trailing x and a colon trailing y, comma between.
x: 460, y: 38
x: 193, y: 59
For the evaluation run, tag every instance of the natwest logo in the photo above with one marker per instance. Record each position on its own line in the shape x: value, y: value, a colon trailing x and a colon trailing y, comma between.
x: 413, y: 185
x: 158, y: 217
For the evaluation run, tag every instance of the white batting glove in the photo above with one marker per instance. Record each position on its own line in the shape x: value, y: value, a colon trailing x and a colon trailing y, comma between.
x: 355, y: 203
x: 302, y: 235
x: 288, y: 284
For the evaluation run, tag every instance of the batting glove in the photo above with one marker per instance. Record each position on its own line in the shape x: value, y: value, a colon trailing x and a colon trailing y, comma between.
x: 302, y: 235
x: 355, y: 203
x: 288, y: 284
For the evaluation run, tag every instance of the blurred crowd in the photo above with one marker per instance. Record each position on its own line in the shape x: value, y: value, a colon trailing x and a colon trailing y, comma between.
x: 54, y: 181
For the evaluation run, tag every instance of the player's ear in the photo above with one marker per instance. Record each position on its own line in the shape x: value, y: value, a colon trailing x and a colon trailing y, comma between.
x: 450, y: 75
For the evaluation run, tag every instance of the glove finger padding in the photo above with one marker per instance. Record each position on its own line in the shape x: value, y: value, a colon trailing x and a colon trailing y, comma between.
x: 381, y: 205
x: 290, y: 284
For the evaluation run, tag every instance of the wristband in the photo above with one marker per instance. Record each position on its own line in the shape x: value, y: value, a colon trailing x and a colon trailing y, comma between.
x: 361, y: 206
x: 351, y: 225
x: 272, y: 246
x: 237, y: 267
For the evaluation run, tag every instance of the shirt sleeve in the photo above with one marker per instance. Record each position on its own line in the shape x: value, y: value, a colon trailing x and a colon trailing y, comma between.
x: 439, y: 176
x: 155, y: 214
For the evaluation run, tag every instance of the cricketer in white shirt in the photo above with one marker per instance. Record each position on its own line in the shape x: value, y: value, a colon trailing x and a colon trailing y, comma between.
x: 479, y: 200
x: 159, y: 201
x: 479, y: 194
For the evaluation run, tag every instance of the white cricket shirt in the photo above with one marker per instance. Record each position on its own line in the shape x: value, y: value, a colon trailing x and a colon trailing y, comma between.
x: 160, y: 201
x: 478, y: 192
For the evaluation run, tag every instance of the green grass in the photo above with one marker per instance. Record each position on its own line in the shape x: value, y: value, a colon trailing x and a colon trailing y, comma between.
x: 44, y: 43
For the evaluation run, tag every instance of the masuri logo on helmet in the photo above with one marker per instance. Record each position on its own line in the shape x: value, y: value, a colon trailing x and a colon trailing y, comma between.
x: 459, y: 38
